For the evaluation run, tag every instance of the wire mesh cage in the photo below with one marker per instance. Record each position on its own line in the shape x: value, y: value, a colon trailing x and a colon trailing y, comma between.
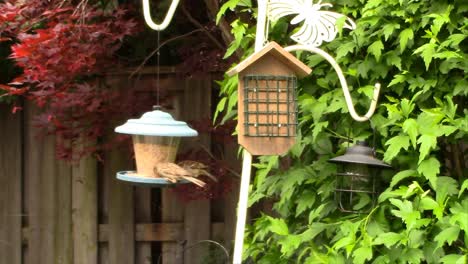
x: 356, y: 188
x: 270, y: 105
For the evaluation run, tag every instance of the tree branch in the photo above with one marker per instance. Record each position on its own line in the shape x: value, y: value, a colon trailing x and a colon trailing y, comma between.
x: 199, y: 25
x: 159, y: 47
x: 223, y: 25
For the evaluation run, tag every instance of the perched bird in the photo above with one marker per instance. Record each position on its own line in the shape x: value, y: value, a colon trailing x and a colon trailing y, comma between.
x: 197, y: 169
x: 188, y: 170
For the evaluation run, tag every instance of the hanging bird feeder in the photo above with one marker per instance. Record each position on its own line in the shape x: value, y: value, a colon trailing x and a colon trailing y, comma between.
x: 267, y: 100
x: 357, y: 180
x: 156, y: 136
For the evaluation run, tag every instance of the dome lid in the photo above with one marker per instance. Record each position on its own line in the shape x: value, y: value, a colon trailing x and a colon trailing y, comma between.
x: 156, y: 123
x: 360, y: 154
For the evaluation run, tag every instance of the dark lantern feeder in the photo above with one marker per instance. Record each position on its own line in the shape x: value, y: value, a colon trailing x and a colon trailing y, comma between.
x: 358, y: 178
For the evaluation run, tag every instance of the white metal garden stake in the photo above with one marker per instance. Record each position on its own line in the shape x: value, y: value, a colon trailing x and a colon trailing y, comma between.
x: 247, y: 161
x: 318, y: 26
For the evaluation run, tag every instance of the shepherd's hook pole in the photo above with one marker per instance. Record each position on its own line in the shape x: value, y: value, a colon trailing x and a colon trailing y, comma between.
x: 167, y: 19
x: 247, y: 162
x: 344, y: 84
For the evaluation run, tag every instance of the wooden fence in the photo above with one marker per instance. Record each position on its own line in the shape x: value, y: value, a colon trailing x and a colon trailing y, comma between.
x: 54, y: 212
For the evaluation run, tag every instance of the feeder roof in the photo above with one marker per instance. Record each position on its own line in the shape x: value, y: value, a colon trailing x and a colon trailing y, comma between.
x: 279, y: 53
x: 156, y: 123
x: 360, y: 154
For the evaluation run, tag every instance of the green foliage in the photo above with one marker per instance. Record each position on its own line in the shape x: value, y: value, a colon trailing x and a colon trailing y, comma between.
x: 418, y: 51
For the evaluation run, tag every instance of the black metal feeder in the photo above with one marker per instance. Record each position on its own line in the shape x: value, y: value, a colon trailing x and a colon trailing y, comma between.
x: 357, y: 179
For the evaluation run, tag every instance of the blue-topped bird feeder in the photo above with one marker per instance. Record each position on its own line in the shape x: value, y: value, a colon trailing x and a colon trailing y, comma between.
x: 156, y: 136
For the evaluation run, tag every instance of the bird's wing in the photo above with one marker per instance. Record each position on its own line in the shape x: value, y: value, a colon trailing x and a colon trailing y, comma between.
x: 195, y: 181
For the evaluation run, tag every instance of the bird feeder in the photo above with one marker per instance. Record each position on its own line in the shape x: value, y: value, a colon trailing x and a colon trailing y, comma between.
x: 357, y: 180
x: 156, y: 136
x: 267, y: 103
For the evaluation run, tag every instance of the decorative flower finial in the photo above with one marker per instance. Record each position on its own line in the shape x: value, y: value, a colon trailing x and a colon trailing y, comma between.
x: 319, y: 25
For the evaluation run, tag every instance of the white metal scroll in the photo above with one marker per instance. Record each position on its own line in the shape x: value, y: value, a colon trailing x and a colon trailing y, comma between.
x: 344, y: 84
x: 319, y: 25
x: 167, y: 19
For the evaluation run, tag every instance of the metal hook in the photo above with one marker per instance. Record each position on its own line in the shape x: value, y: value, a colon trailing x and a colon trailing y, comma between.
x: 344, y: 84
x: 167, y: 19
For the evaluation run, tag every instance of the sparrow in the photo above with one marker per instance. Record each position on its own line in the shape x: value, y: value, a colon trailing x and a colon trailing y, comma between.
x: 188, y: 170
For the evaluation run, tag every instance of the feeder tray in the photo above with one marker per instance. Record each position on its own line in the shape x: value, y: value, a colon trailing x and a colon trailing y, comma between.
x: 129, y: 176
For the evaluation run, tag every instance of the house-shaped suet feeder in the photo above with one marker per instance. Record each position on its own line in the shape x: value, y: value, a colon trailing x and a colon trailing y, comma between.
x: 267, y: 103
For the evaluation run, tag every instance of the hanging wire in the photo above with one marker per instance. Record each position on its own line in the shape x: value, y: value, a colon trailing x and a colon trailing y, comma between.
x: 158, y: 56
x: 373, y: 135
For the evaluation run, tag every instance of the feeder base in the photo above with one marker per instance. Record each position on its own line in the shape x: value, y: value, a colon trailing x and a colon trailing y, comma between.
x: 129, y: 177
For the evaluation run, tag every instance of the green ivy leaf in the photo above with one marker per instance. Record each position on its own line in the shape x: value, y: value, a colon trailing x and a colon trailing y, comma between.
x: 344, y: 49
x: 429, y: 169
x: 447, y: 235
x: 219, y: 108
x: 405, y: 35
x: 289, y: 244
x: 454, y: 259
x: 406, y: 212
x: 453, y: 41
x: 446, y: 186
x: 395, y: 145
x: 305, y: 201
x: 315, y: 213
x: 402, y: 175
x: 388, y: 29
x: 460, y: 215
x: 392, y: 58
x: 411, y: 255
x: 388, y: 239
x: 318, y: 108
x: 427, y: 142
x: 427, y: 203
x: 410, y: 127
x: 313, y: 230
x: 463, y: 187
x: 278, y: 226
x: 376, y: 49
x: 427, y: 52
x: 406, y: 107
x: 399, y: 78
x: 362, y: 254
x: 343, y: 242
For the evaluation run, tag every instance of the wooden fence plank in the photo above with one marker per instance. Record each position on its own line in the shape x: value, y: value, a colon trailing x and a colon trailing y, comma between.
x: 197, y: 106
x: 10, y: 182
x: 143, y: 215
x: 231, y: 199
x: 49, y: 198
x: 84, y: 214
x: 63, y: 214
x: 172, y: 209
x: 121, y: 215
